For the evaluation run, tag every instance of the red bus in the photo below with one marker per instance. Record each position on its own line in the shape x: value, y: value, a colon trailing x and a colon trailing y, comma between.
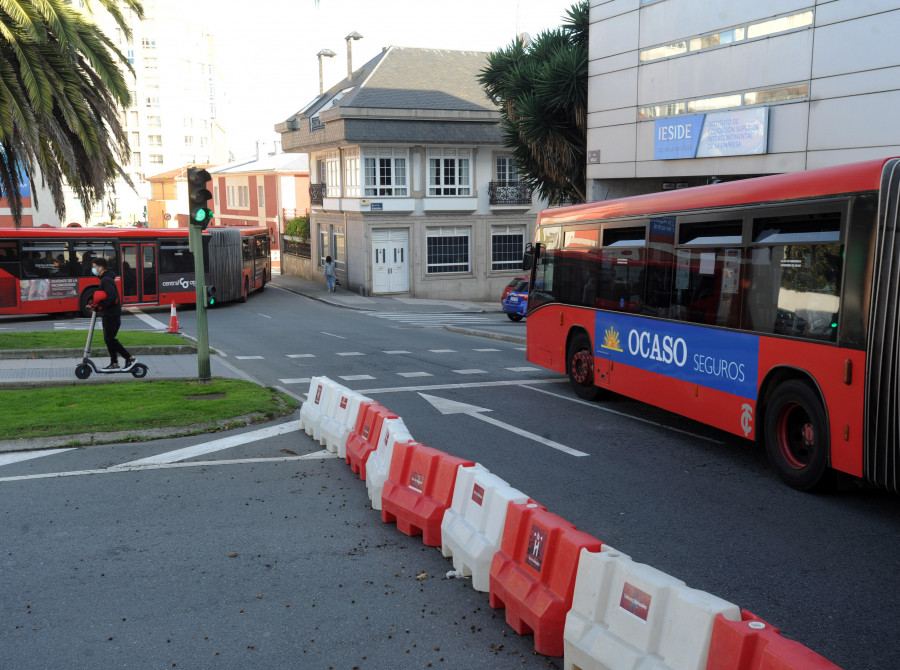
x: 765, y: 307
x: 48, y: 270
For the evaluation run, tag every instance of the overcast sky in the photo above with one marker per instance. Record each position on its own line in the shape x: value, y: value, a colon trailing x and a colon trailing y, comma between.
x: 266, y: 49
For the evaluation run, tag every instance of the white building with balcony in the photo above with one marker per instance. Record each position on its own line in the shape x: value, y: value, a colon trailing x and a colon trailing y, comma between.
x: 412, y: 191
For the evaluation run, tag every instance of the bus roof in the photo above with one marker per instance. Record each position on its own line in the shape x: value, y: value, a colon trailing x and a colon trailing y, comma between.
x: 836, y: 180
x: 107, y: 232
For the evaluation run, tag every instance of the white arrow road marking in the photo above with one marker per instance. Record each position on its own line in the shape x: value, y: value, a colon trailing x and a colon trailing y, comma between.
x: 445, y: 406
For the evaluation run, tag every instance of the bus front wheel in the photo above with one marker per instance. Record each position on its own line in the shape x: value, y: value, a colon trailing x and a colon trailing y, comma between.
x: 581, y: 368
x: 797, y: 435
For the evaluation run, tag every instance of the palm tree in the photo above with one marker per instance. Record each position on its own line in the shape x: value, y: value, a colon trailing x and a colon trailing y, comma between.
x: 541, y: 90
x: 61, y: 91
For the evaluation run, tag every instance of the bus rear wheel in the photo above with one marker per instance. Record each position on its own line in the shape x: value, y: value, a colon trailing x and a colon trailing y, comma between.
x: 86, y: 298
x: 581, y: 368
x: 797, y: 436
x: 245, y: 291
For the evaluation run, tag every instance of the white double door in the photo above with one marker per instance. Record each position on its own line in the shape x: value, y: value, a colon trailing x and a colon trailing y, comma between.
x: 390, y: 261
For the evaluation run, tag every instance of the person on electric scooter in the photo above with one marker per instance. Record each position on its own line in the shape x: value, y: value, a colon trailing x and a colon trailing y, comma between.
x: 110, y: 310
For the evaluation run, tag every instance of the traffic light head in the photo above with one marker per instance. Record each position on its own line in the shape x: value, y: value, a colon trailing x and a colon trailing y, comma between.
x: 198, y: 197
x: 210, y: 292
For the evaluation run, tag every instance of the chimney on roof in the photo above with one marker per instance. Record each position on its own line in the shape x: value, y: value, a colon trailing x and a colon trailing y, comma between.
x: 327, y: 53
x: 352, y: 36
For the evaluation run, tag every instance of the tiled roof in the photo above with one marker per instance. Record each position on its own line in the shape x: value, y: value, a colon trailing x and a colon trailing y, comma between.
x: 407, y: 78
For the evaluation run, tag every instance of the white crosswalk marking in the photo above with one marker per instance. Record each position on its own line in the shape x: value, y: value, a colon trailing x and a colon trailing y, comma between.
x: 301, y: 355
x: 432, y: 320
x: 354, y: 378
x: 415, y: 374
x: 300, y: 380
x: 250, y: 358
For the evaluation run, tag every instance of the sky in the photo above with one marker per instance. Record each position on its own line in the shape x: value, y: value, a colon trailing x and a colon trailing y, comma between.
x: 266, y: 49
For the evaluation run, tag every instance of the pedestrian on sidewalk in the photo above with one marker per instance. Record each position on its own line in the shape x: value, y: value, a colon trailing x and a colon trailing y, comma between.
x: 110, y: 309
x: 329, y: 273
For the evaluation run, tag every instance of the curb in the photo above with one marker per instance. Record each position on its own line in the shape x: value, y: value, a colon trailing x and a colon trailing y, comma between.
x: 318, y: 299
x: 148, y: 435
x: 487, y: 334
x: 146, y: 350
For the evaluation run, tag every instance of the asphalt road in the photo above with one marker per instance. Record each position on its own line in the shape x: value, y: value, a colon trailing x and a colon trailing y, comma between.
x: 154, y: 567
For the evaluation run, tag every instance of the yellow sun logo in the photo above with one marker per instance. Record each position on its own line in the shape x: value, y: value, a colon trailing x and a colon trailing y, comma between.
x: 612, y: 340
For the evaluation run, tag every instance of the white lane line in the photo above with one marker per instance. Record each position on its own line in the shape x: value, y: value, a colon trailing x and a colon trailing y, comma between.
x: 301, y: 355
x: 485, y: 349
x: 263, y: 315
x: 165, y: 466
x: 415, y: 374
x: 627, y: 416
x: 250, y: 358
x: 298, y: 380
x: 355, y: 378
x: 350, y: 353
x: 397, y: 351
x: 523, y: 369
x: 442, y: 351
x: 19, y: 456
x: 156, y: 324
x: 470, y: 372
x: 521, y: 349
x: 467, y: 385
x: 216, y: 445
x: 333, y: 335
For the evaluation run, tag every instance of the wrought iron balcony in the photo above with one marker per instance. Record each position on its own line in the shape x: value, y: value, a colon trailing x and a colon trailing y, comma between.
x: 316, y: 194
x: 509, y: 193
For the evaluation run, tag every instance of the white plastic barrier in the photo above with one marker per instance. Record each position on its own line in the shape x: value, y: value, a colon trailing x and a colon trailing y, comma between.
x: 472, y: 528
x: 313, y: 410
x: 630, y: 616
x: 340, y: 418
x: 378, y: 466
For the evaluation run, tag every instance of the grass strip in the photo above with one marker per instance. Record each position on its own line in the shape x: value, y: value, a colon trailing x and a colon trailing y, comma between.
x: 75, y: 339
x: 66, y: 410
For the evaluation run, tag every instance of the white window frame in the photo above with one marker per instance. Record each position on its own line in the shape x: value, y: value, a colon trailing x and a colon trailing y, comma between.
x: 506, y: 264
x: 261, y: 196
x: 450, y: 172
x: 333, y: 174
x: 351, y: 173
x: 507, y: 170
x: 385, y: 173
x: 434, y: 267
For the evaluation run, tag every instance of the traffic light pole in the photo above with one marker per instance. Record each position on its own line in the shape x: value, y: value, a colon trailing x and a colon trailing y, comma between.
x: 195, y: 239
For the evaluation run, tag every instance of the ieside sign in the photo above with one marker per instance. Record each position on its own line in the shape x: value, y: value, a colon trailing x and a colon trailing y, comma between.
x: 738, y: 132
x: 716, y: 359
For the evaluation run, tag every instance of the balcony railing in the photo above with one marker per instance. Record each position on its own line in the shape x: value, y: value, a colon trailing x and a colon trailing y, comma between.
x: 509, y: 193
x: 315, y: 123
x: 316, y: 194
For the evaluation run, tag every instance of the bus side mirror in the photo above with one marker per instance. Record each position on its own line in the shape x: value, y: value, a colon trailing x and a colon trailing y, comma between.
x: 532, y: 251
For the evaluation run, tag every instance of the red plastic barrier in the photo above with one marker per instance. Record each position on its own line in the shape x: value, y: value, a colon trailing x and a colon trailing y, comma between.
x: 363, y: 440
x: 419, y: 489
x: 533, y: 574
x: 753, y: 644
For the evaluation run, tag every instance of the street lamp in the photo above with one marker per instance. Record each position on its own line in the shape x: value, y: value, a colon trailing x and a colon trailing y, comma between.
x: 327, y: 53
x: 352, y: 36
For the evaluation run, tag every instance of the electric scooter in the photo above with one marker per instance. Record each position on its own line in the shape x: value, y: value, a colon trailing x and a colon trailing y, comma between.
x: 83, y: 370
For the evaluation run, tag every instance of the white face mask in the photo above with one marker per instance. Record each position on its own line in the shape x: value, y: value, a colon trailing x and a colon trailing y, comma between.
x: 95, y: 271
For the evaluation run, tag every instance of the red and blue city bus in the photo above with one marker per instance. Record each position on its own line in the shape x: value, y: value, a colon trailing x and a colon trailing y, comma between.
x: 765, y: 307
x: 48, y: 270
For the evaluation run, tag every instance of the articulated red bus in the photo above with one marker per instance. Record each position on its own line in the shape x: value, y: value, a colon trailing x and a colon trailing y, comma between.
x: 766, y: 307
x: 48, y: 270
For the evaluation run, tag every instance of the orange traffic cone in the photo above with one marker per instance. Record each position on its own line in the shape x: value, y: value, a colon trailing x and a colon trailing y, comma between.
x: 173, y: 321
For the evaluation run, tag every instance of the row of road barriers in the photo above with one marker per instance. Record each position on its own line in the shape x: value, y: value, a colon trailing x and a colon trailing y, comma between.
x: 582, y: 599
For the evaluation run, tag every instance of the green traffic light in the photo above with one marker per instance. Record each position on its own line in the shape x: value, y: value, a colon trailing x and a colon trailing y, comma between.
x: 203, y: 215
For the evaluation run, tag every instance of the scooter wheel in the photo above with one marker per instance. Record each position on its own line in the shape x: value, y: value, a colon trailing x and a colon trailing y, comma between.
x: 139, y: 370
x: 83, y: 371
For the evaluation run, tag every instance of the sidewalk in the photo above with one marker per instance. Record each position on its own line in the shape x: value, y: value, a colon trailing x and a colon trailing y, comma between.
x: 314, y: 290
x: 31, y: 372
x: 343, y: 298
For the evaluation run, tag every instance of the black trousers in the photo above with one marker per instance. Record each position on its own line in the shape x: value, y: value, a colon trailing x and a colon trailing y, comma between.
x: 111, y: 325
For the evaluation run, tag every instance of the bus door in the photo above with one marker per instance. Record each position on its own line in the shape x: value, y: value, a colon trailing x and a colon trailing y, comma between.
x: 139, y: 273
